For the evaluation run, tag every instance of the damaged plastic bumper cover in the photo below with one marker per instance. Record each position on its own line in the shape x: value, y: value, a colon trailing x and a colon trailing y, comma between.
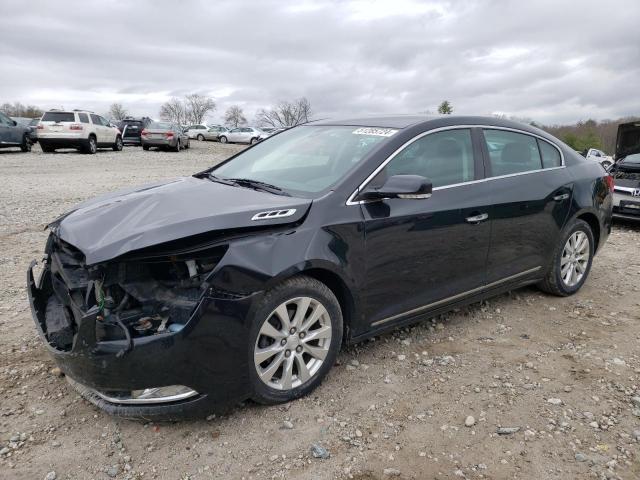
x: 180, y: 372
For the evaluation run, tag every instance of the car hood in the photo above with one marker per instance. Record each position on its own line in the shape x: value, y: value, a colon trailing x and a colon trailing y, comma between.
x: 628, y: 139
x: 626, y: 175
x: 117, y: 223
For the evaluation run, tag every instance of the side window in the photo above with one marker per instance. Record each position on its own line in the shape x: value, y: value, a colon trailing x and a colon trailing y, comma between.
x: 83, y: 117
x: 104, y: 121
x: 511, y: 152
x: 550, y: 155
x: 95, y: 119
x: 4, y: 120
x: 446, y: 158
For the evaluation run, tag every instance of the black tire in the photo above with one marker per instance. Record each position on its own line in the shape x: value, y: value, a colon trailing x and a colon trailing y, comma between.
x: 46, y: 148
x: 145, y: 147
x: 117, y: 147
x: 26, y: 144
x: 606, y: 164
x: 188, y: 144
x: 253, y: 141
x: 178, y: 146
x: 223, y: 139
x: 553, y: 282
x: 289, y: 289
x: 200, y: 138
x: 92, y: 146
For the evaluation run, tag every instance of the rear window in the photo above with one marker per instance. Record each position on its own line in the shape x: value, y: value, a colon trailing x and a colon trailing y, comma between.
x: 133, y: 123
x: 59, y: 117
x: 161, y: 126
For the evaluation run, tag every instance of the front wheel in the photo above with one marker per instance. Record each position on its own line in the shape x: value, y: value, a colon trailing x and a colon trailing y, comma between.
x: 223, y: 139
x: 200, y: 138
x: 117, y: 147
x: 571, y: 261
x: 606, y: 164
x: 253, y: 141
x: 294, y: 340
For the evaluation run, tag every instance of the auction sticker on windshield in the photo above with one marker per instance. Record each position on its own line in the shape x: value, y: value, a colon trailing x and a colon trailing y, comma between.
x: 380, y: 132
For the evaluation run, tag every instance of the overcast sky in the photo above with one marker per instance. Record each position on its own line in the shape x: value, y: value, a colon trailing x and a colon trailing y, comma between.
x: 551, y: 61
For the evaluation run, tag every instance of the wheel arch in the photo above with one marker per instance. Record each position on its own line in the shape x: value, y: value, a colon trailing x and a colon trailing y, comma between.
x: 592, y: 219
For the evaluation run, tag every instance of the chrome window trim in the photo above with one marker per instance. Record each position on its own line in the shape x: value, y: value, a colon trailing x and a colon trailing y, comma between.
x: 351, y: 201
x: 443, y: 301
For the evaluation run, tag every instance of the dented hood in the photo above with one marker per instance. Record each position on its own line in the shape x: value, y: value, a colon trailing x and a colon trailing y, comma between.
x: 117, y: 223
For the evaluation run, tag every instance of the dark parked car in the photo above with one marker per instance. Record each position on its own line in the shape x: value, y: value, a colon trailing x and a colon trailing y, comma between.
x: 242, y: 281
x: 164, y: 135
x: 31, y: 124
x: 14, y: 134
x: 626, y: 172
x: 132, y: 128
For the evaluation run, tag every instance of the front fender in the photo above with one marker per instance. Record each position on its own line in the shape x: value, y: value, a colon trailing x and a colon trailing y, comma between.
x: 258, y: 263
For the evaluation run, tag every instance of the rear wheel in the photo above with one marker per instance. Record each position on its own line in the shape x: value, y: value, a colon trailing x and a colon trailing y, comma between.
x: 253, y: 141
x: 571, y: 261
x: 200, y: 138
x: 145, y: 147
x: 294, y: 340
x: 188, y: 144
x: 46, y: 148
x: 223, y: 139
x: 178, y: 146
x: 91, y: 146
x: 26, y: 144
x: 117, y: 147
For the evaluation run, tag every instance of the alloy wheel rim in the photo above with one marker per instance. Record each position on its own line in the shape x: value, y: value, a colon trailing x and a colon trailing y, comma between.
x: 575, y: 258
x: 293, y: 343
x: 92, y: 145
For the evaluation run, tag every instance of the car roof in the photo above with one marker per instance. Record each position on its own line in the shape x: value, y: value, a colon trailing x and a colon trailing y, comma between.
x: 432, y: 121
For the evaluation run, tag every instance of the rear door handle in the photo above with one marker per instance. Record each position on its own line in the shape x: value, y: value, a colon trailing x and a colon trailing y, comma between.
x: 477, y: 218
x: 559, y: 198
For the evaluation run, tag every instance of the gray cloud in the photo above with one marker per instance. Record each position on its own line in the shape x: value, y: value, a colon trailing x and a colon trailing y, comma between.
x: 547, y: 60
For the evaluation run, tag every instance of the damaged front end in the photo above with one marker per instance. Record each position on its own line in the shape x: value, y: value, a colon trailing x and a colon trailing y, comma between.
x: 118, y: 328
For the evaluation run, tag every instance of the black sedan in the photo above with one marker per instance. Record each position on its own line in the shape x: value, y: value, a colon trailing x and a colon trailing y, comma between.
x: 243, y: 281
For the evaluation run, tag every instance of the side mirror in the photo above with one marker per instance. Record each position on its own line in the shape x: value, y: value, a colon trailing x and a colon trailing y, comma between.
x: 15, y: 124
x: 400, y: 186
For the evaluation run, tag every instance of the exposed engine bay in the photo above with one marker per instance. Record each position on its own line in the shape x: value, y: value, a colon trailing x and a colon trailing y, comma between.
x: 130, y: 298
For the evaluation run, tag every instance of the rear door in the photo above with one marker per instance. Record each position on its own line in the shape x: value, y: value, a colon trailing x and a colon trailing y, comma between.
x: 421, y: 254
x: 6, y: 130
x: 531, y: 197
x: 101, y: 135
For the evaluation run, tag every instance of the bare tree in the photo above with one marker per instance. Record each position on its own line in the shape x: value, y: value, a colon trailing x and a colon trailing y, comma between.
x: 285, y: 114
x: 234, y: 116
x: 17, y: 109
x: 117, y: 111
x: 198, y: 106
x: 174, y: 111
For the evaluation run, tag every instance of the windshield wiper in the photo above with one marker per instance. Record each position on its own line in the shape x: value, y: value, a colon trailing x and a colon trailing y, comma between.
x: 217, y: 179
x: 248, y: 182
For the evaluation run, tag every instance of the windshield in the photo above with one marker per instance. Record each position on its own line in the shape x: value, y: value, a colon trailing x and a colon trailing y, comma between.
x: 305, y: 159
x: 634, y: 159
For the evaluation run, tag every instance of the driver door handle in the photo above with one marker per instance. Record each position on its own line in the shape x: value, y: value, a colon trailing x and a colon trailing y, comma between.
x: 477, y: 218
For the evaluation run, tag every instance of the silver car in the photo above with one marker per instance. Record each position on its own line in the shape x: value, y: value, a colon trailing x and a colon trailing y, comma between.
x: 164, y: 135
x: 249, y: 135
x: 212, y: 133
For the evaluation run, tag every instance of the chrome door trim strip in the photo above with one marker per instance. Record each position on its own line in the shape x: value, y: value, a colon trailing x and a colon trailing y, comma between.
x: 456, y: 297
x: 351, y: 201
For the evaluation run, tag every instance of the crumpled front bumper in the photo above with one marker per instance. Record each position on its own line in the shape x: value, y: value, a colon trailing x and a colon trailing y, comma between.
x: 209, y: 355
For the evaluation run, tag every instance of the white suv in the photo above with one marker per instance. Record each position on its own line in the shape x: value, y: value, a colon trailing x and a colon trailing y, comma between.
x: 79, y: 129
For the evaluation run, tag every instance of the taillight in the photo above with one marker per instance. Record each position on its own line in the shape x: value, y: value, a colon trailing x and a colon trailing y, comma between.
x: 168, y: 134
x: 75, y: 126
x: 144, y: 133
x: 609, y: 181
x: 40, y: 127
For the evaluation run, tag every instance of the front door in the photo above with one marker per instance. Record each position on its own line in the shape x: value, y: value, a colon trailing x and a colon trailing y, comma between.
x: 531, y: 197
x: 7, y: 130
x: 424, y: 253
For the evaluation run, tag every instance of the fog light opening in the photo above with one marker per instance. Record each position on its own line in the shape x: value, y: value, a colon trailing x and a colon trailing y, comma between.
x: 171, y: 393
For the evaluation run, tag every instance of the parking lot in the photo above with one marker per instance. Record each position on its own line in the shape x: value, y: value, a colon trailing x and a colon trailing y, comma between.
x: 525, y: 385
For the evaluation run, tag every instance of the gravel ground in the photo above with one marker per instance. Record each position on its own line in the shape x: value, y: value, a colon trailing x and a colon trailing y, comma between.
x: 524, y: 386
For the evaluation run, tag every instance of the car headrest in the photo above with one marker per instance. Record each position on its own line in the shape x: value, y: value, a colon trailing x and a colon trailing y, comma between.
x: 516, y: 153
